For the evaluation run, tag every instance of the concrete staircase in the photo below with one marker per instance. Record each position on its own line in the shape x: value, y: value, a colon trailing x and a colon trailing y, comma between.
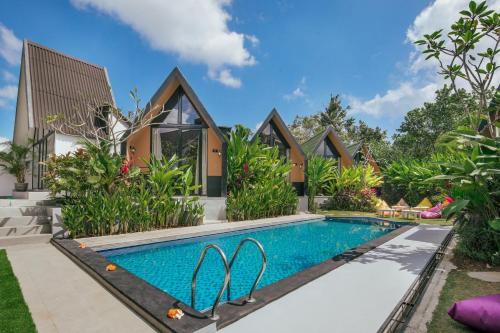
x: 24, y: 221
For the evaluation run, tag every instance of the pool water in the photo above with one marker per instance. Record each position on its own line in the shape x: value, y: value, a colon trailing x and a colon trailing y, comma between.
x: 290, y: 248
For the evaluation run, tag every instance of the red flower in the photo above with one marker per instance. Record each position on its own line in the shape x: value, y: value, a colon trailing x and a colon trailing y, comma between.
x: 245, y: 168
x: 125, y: 168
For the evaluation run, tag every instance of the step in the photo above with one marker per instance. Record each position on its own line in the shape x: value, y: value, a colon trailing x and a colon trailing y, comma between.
x: 19, y: 221
x: 24, y: 230
x: 31, y: 195
x: 24, y: 202
x: 23, y: 240
x: 23, y: 211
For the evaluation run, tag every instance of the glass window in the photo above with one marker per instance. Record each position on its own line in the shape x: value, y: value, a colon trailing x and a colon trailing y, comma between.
x: 169, y: 139
x: 189, y: 113
x: 181, y: 110
x: 272, y: 137
x: 330, y: 151
x: 265, y: 135
x: 191, y: 151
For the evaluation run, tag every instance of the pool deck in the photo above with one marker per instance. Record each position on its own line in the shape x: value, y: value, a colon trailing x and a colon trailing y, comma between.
x: 356, y: 297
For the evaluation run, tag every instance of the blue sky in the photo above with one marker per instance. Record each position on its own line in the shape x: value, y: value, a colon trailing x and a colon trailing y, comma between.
x: 241, y: 57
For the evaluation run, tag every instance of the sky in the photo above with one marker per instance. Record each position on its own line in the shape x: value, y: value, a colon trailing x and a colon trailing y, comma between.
x: 242, y: 58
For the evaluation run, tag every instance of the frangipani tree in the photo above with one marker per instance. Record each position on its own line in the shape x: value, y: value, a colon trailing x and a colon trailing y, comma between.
x: 469, y: 52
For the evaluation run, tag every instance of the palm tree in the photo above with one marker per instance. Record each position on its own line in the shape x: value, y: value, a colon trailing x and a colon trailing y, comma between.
x: 13, y: 160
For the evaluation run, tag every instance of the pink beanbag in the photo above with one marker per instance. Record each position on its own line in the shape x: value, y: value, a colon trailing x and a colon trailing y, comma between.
x: 480, y: 313
x: 433, y: 213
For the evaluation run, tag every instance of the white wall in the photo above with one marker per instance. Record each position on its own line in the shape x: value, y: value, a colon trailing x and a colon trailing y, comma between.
x: 6, y: 181
x: 66, y: 143
x: 6, y: 184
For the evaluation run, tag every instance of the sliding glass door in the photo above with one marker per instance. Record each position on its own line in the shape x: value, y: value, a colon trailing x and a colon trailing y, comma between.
x: 181, y: 131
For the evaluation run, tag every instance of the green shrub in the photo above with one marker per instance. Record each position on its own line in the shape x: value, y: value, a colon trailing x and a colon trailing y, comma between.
x: 353, y: 189
x: 104, y: 196
x: 320, y: 171
x: 474, y: 180
x: 408, y: 179
x: 258, y: 184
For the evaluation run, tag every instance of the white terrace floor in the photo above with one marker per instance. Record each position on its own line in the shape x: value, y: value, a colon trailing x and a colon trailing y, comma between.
x: 356, y: 297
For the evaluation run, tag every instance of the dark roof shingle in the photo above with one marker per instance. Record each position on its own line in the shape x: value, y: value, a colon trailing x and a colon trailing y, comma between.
x: 60, y: 84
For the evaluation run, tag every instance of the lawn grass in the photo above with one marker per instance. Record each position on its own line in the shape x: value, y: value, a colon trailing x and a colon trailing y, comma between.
x: 341, y: 213
x: 14, y: 313
x: 460, y: 286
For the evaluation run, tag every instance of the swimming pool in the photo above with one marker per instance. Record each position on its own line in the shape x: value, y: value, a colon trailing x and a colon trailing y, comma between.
x: 290, y: 248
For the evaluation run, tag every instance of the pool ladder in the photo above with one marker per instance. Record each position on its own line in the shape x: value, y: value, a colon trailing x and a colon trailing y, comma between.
x: 227, y: 273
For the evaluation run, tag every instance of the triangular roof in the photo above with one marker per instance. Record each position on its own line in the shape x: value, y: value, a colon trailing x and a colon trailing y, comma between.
x: 176, y: 78
x: 312, y: 145
x: 354, y: 148
x: 285, y: 131
x: 56, y: 83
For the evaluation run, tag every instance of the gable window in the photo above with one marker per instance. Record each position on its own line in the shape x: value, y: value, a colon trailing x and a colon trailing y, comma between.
x: 182, y: 111
x: 272, y: 137
x: 181, y: 131
x: 328, y: 150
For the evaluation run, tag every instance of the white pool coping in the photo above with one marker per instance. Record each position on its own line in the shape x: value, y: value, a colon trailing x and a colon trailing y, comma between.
x: 148, y: 237
x: 356, y: 297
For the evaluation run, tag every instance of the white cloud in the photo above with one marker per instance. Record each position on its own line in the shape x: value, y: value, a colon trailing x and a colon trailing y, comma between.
x: 10, y: 46
x: 196, y: 31
x: 298, y: 92
x: 394, y: 102
x: 8, y: 76
x: 253, y: 40
x: 421, y: 79
x: 7, y: 94
x: 225, y: 77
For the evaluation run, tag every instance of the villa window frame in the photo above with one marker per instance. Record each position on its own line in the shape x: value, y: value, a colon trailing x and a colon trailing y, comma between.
x: 329, y: 144
x: 158, y: 124
x: 272, y: 143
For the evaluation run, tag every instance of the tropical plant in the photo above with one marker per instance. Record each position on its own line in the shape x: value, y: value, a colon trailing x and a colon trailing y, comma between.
x: 407, y: 179
x: 13, y: 160
x: 102, y: 194
x: 320, y: 171
x: 353, y: 188
x: 474, y: 181
x: 258, y: 184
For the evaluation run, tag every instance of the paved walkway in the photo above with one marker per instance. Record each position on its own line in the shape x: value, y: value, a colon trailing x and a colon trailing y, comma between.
x: 64, y: 298
x: 356, y: 297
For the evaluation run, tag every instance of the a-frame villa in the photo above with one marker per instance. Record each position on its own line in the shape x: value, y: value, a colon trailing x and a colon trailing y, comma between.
x: 275, y: 133
x: 361, y: 153
x: 329, y: 145
x: 52, y: 83
x: 186, y: 129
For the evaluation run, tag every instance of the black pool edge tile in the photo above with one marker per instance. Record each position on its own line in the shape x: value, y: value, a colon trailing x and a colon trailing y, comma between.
x: 233, y: 311
x: 147, y: 301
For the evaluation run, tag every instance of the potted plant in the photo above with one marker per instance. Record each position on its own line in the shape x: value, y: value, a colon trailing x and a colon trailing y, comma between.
x: 13, y: 160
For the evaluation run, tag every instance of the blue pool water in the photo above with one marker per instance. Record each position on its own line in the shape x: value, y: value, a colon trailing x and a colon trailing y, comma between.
x: 290, y: 248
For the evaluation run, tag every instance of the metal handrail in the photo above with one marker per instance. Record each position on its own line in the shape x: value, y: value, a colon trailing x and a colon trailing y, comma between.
x: 227, y: 278
x: 250, y: 299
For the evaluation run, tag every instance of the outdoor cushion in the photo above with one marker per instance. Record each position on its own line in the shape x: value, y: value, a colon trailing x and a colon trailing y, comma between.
x: 381, y: 204
x: 425, y: 203
x: 402, y: 203
x: 433, y: 213
x: 480, y: 313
